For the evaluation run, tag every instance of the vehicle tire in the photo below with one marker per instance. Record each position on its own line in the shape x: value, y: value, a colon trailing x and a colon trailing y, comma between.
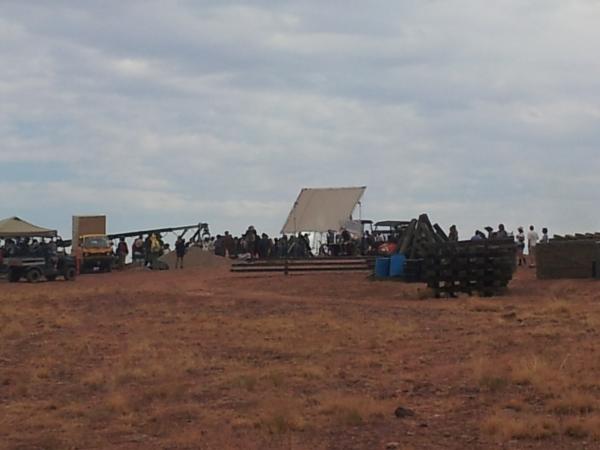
x: 51, y: 277
x: 33, y: 275
x: 108, y: 267
x: 70, y: 274
x: 14, y: 275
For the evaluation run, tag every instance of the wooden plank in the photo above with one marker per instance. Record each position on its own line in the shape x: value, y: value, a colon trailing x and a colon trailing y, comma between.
x: 440, y: 232
x: 408, y: 237
x: 300, y: 263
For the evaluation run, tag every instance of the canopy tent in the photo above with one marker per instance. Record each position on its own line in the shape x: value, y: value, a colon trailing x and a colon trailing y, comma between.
x: 15, y: 227
x: 323, y: 209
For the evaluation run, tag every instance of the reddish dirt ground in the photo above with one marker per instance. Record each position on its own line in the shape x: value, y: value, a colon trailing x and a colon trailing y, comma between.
x: 207, y: 359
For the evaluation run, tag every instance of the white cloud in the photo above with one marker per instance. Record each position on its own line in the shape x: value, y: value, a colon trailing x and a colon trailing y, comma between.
x: 132, y: 67
x: 476, y: 112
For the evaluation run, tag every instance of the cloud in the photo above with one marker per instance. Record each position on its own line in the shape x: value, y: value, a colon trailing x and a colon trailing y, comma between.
x: 154, y: 113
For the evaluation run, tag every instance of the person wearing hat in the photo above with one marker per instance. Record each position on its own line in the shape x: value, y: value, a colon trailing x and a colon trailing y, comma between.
x: 478, y: 236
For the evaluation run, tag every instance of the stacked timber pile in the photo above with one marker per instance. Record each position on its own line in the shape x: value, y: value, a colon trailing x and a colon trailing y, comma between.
x: 576, y: 237
x: 485, y: 267
x: 419, y: 235
x: 576, y: 256
x: 415, y: 241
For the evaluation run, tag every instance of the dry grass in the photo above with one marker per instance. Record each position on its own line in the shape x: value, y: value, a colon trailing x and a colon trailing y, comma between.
x: 507, y: 427
x: 245, y: 382
x: 11, y: 330
x: 582, y: 427
x: 537, y: 372
x: 545, y: 377
x: 492, y: 376
x: 528, y: 426
x: 298, y: 362
x: 555, y: 392
x: 574, y: 402
x: 280, y: 420
x: 352, y: 410
x: 557, y: 307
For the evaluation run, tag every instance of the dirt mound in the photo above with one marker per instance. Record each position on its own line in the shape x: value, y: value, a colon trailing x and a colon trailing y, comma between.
x: 196, y: 257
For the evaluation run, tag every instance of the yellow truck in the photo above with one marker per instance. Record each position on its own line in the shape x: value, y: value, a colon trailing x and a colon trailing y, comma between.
x: 91, y: 244
x: 96, y: 253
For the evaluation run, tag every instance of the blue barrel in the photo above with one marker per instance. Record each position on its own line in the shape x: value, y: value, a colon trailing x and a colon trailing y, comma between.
x: 397, y: 263
x: 382, y: 267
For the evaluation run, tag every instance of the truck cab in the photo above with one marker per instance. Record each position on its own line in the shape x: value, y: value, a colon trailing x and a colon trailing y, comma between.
x: 96, y: 252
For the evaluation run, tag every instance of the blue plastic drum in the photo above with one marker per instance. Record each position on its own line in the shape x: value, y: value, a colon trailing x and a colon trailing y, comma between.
x: 382, y: 267
x: 397, y: 263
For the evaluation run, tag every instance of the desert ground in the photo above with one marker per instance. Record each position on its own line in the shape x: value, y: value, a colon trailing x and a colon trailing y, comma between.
x: 204, y: 359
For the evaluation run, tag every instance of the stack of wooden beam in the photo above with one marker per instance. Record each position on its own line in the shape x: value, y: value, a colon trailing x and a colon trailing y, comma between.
x: 484, y: 267
x: 577, y: 237
x: 419, y: 235
x: 414, y: 242
x: 568, y: 257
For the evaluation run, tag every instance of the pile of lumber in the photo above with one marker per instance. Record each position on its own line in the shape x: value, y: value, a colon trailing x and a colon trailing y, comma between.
x: 484, y: 267
x: 568, y: 258
x: 418, y: 236
x: 577, y: 237
x: 414, y: 242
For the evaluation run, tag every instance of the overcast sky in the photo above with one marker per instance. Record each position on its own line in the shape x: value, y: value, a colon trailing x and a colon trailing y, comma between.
x: 167, y: 113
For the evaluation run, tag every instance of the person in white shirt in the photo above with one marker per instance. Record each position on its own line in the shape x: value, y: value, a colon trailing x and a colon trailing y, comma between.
x: 532, y: 239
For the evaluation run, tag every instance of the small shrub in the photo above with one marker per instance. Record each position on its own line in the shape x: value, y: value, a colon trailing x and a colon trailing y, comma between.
x: 491, y: 375
x: 279, y: 424
x: 557, y: 306
x: 520, y: 427
x: 493, y: 383
x: 538, y: 373
x: 247, y: 382
x: 575, y: 429
x: 582, y: 427
x: 95, y: 380
x: 573, y: 402
x: 281, y: 419
x: 118, y: 402
x: 353, y: 410
x: 312, y: 373
x: 277, y: 379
